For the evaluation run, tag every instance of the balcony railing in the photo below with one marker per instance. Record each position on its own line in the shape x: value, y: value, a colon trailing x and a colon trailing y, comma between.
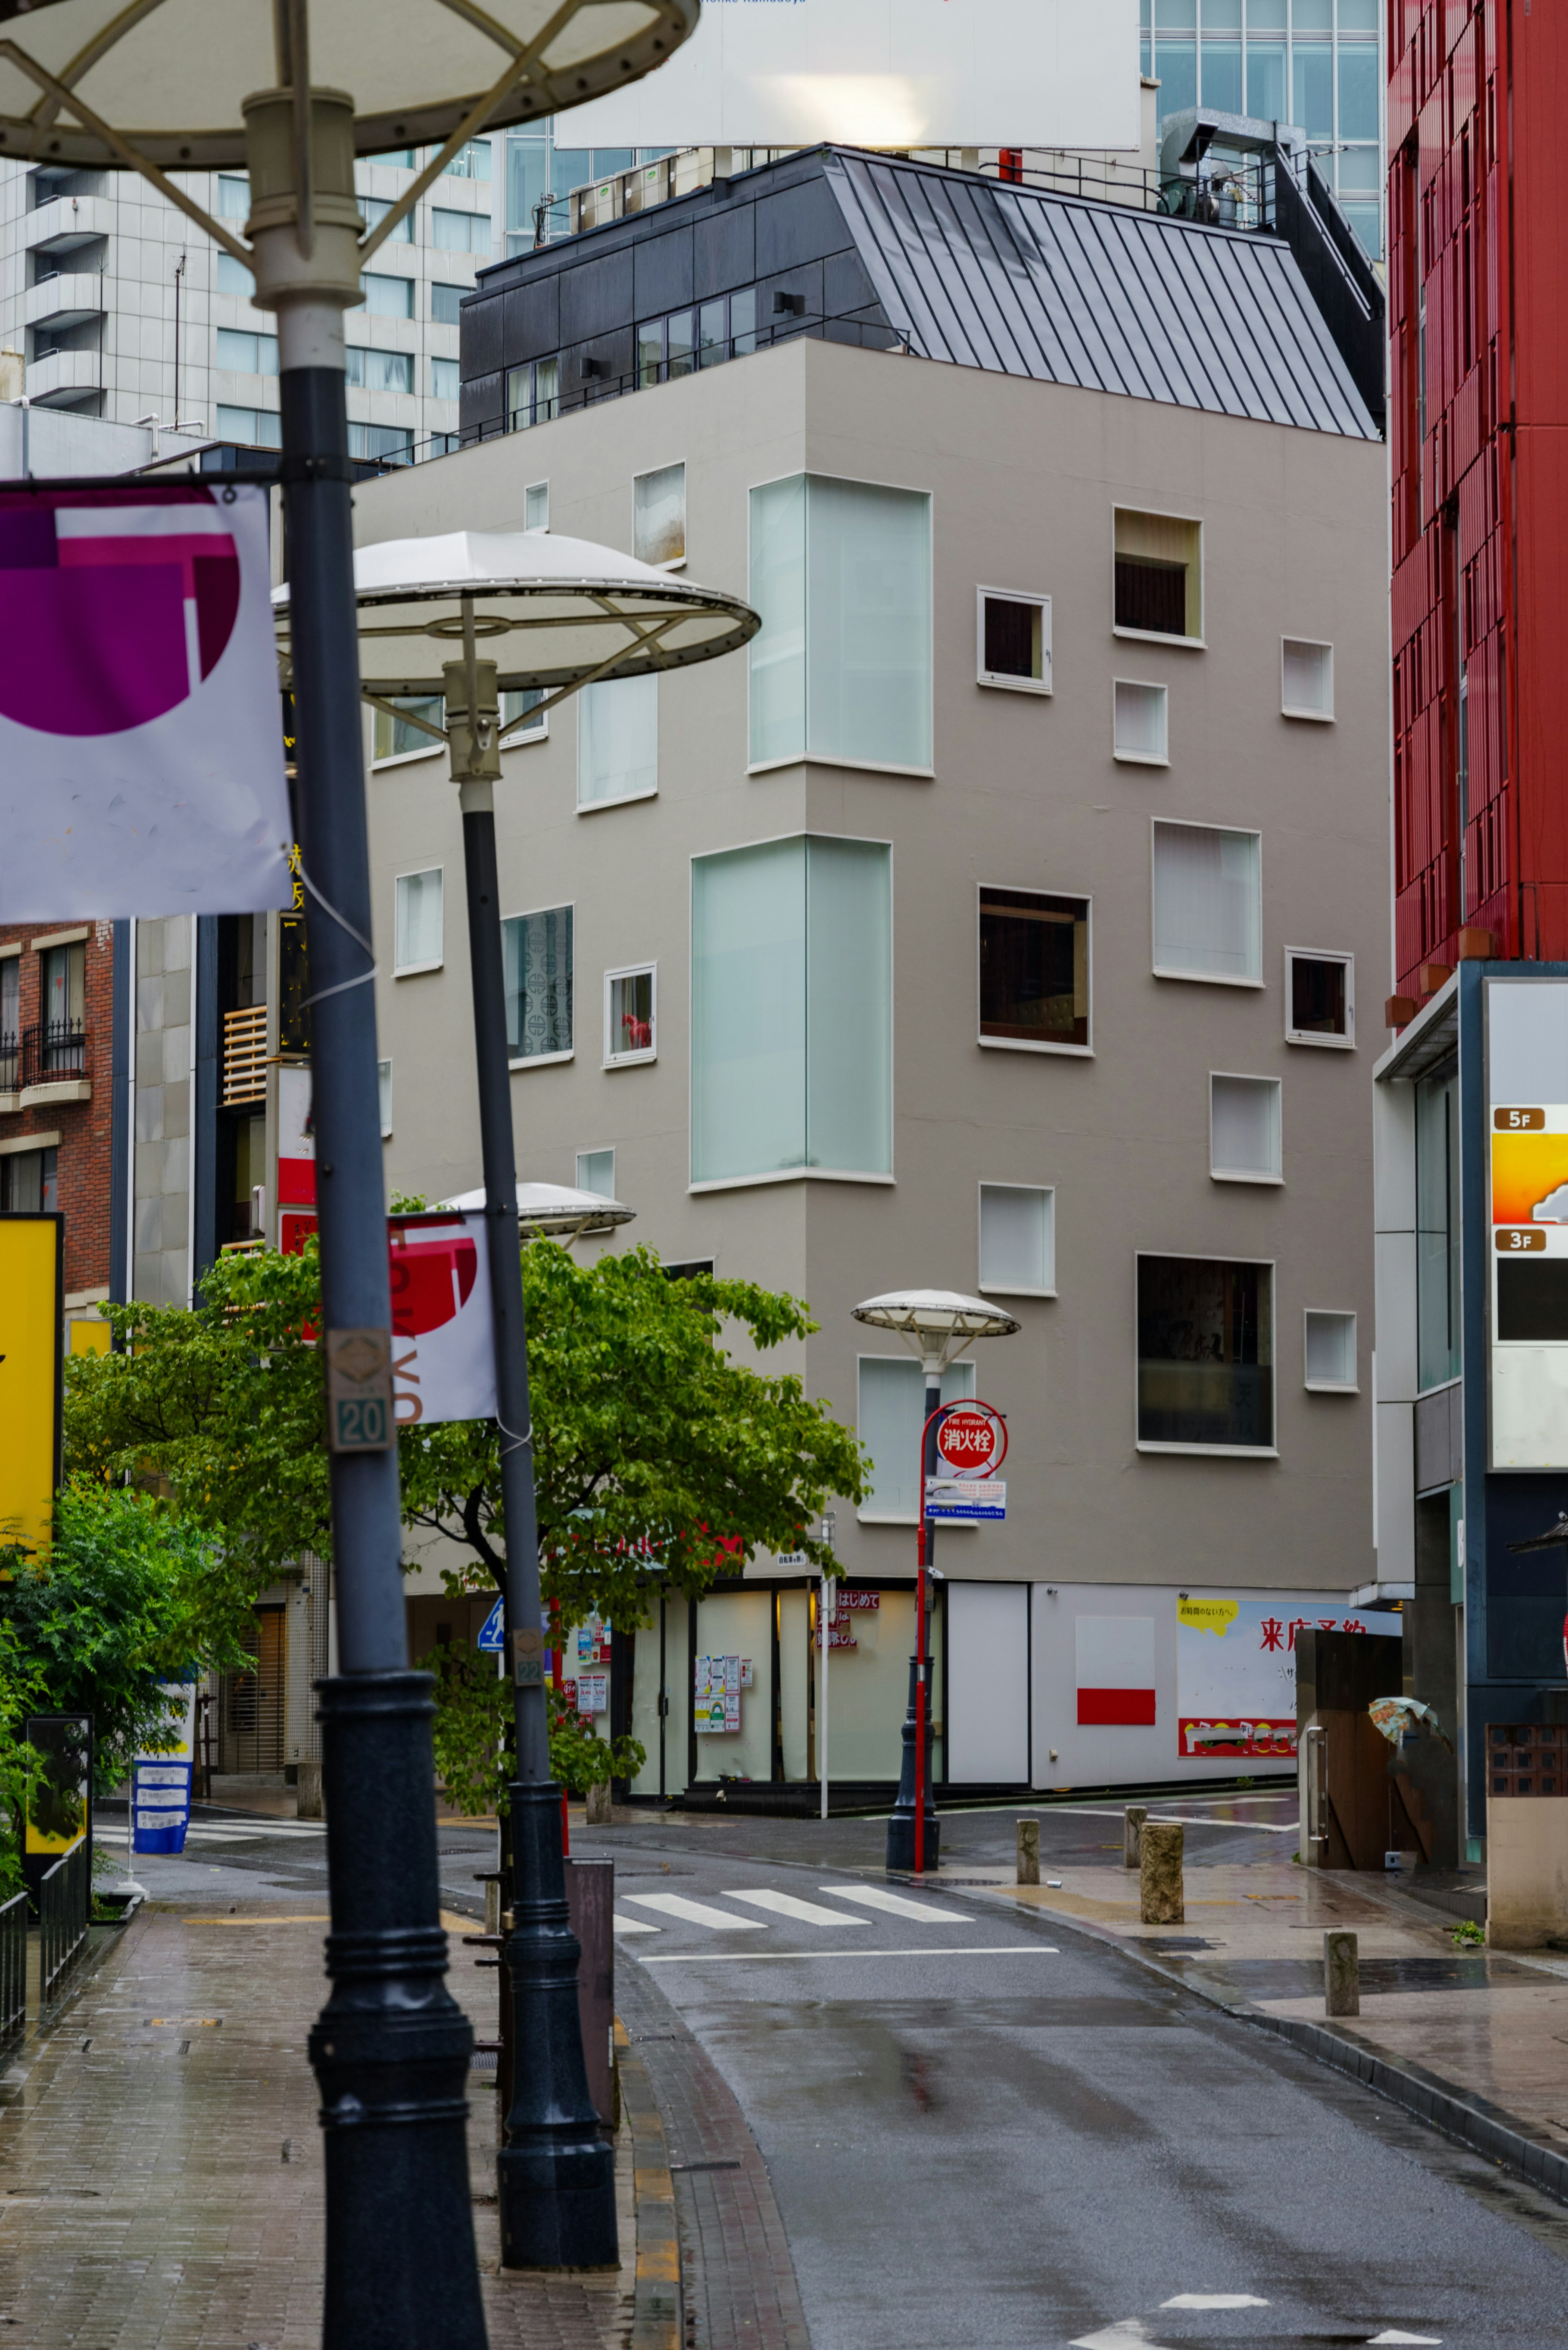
x: 54, y: 1050
x: 10, y: 1062
x: 245, y: 1055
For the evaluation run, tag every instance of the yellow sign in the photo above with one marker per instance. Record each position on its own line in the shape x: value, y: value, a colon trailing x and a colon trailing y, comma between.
x: 30, y: 1319
x: 1215, y: 1615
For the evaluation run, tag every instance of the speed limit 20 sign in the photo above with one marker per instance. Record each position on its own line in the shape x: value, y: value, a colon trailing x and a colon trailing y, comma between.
x: 972, y: 1441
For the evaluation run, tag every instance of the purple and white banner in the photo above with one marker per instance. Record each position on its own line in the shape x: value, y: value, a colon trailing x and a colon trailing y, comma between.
x: 141, y: 729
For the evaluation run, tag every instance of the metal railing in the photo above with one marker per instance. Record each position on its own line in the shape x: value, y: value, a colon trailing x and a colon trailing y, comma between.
x: 10, y: 1062
x: 63, y: 1901
x: 245, y: 1055
x: 13, y: 1965
x: 53, y: 1049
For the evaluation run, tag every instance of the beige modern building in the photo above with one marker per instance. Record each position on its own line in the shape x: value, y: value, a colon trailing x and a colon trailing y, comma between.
x: 996, y: 925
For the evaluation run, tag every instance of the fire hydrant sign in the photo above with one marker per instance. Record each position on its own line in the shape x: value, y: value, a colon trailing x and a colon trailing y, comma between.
x: 140, y: 747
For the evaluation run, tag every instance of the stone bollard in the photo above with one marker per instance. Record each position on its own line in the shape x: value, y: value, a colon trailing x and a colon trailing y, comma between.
x: 1340, y: 1973
x: 308, y: 1794
x: 1029, y: 1852
x: 599, y: 1812
x: 1160, y: 1902
x: 1133, y: 1819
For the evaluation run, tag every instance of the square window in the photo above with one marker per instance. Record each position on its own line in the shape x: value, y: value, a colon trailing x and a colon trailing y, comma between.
x: 1208, y: 904
x: 659, y: 515
x: 1034, y: 971
x: 446, y: 381
x: 29, y: 1182
x: 536, y: 506
x: 1330, y: 1353
x: 1205, y: 1355
x: 1140, y: 729
x: 1014, y: 648
x: 1018, y: 1240
x: 891, y: 1411
x: 418, y: 923
x: 384, y: 1092
x: 387, y: 296
x: 1319, y: 998
x: 617, y: 741
x: 234, y: 278
x: 233, y: 195
x: 1306, y: 688
x: 455, y: 231
x: 596, y: 1173
x: 1159, y: 576
x: 376, y: 208
x: 536, y: 963
x: 1244, y: 1119
x: 444, y: 303
x: 399, y: 738
x: 630, y: 1001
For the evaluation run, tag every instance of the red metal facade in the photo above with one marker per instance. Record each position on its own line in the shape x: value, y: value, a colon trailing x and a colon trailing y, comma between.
x: 1478, y: 307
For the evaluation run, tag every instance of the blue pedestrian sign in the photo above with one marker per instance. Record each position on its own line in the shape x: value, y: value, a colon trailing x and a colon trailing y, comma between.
x: 493, y: 1639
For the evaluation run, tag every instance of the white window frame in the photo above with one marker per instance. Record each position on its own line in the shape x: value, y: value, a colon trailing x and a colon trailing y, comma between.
x: 1345, y: 1044
x: 1019, y: 1044
x: 676, y: 562
x: 1204, y: 978
x: 983, y: 676
x: 1290, y: 710
x: 540, y: 734
x: 550, y: 1060
x: 1142, y: 758
x: 1198, y: 644
x: 538, y: 529
x: 614, y: 1060
x: 414, y: 969
x: 623, y: 799
x: 387, y: 1125
x: 1270, y: 1452
x: 604, y: 1151
x: 1010, y: 1289
x: 1332, y: 1387
x: 1238, y: 1174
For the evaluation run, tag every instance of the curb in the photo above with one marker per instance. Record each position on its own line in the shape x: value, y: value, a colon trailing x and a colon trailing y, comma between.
x: 1484, y: 2127
x: 656, y: 2314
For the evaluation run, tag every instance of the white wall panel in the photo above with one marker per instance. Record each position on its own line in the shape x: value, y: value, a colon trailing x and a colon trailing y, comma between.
x: 987, y: 1683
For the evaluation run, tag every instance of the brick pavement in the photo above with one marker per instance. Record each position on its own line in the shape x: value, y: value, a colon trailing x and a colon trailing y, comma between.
x: 161, y: 2164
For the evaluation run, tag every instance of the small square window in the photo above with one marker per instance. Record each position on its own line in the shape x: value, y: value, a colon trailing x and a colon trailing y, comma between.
x: 596, y: 1173
x: 658, y: 516
x: 1140, y: 732
x: 1014, y: 641
x: 522, y: 719
x: 1331, y: 1352
x: 1306, y: 685
x: 1244, y: 1129
x: 536, y: 506
x: 1018, y: 1240
x: 1319, y: 998
x: 446, y: 381
x: 384, y: 1090
x: 630, y: 1001
x: 1159, y: 576
x: 1034, y: 971
x: 445, y: 301
x: 418, y: 922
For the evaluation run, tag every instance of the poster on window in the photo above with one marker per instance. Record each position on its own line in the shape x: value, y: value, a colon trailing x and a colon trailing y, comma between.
x: 1236, y: 1667
x: 717, y: 1697
x: 140, y: 748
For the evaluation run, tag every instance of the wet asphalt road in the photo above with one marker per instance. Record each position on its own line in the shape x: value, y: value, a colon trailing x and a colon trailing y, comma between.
x: 982, y: 2129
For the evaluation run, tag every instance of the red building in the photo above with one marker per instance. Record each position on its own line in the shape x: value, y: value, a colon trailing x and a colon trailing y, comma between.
x: 1477, y: 274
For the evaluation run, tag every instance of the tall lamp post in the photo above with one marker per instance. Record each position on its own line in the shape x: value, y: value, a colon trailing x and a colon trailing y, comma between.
x: 268, y: 90
x: 553, y: 615
x: 936, y: 1324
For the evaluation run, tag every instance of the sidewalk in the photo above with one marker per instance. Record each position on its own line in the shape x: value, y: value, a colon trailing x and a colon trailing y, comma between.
x: 1488, y: 2028
x: 161, y: 2161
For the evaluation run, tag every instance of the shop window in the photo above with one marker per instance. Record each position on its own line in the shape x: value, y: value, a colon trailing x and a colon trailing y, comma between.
x: 418, y: 922
x: 1140, y: 729
x: 1330, y: 1352
x: 1034, y: 971
x: 1205, y: 1355
x: 1319, y: 998
x: 536, y: 958
x: 1306, y: 684
x: 1159, y: 576
x: 1244, y: 1119
x: 1208, y: 904
x: 1014, y: 648
x: 1018, y: 1240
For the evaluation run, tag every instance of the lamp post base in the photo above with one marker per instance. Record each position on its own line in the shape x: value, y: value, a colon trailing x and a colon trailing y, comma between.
x: 901, y: 1825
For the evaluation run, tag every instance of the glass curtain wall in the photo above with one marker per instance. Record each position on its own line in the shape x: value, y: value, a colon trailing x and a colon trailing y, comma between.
x: 537, y: 167
x: 1313, y: 62
x: 1439, y: 1352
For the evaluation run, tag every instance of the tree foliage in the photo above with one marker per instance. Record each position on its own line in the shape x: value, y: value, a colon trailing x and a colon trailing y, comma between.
x: 473, y: 1725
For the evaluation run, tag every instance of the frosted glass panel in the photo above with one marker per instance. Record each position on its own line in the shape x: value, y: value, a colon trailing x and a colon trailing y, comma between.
x: 419, y: 927
x: 617, y: 741
x: 778, y: 650
x: 1208, y: 890
x: 660, y: 515
x: 748, y: 1012
x: 849, y: 1007
x: 1017, y: 1237
x: 891, y: 1411
x: 596, y: 1173
x: 868, y: 624
x: 1244, y: 1127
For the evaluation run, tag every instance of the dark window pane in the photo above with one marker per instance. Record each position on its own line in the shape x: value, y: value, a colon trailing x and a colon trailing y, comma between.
x: 1204, y: 1353
x: 1034, y: 968
x: 1317, y: 997
x: 1011, y: 633
x: 1533, y: 1297
x: 682, y: 356
x: 1151, y: 595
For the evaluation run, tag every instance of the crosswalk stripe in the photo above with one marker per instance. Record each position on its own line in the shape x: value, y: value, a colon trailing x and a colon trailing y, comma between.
x: 896, y: 1905
x: 858, y: 1950
x: 696, y: 1913
x: 790, y: 1905
x: 632, y: 1925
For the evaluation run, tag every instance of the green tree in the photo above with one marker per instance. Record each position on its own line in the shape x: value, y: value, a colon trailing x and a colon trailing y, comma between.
x: 472, y: 1732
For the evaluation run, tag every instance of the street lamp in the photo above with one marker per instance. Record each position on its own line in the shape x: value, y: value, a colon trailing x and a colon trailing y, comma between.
x: 553, y: 614
x: 824, y: 1617
x: 936, y: 1324
x: 555, y: 1212
x: 202, y: 89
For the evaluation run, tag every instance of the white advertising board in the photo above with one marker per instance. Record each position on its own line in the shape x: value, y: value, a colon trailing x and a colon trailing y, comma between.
x: 887, y: 73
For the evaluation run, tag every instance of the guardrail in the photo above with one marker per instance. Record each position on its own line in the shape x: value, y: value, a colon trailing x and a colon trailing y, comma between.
x: 13, y: 1965
x: 64, y: 1900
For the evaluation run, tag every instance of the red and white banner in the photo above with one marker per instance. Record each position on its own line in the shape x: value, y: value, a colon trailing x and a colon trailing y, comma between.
x: 140, y: 734
x: 443, y: 1357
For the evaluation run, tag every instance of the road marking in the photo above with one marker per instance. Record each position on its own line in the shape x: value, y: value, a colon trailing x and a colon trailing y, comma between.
x: 1393, y: 2334
x: 633, y: 1925
x: 301, y: 1917
x: 790, y: 1905
x: 1214, y: 2301
x: 1176, y: 1819
x: 896, y: 1904
x: 1130, y: 2333
x: 696, y: 1913
x: 719, y: 1958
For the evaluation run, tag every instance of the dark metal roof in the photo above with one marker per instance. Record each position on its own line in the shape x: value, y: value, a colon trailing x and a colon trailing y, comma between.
x: 982, y: 273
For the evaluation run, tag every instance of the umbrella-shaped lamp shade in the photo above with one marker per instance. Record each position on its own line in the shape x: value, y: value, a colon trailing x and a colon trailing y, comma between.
x: 555, y: 1209
x: 548, y: 612
x: 172, y: 77
x: 936, y: 1313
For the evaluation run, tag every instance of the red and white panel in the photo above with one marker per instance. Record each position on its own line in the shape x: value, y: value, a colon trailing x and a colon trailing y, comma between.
x: 1116, y: 1671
